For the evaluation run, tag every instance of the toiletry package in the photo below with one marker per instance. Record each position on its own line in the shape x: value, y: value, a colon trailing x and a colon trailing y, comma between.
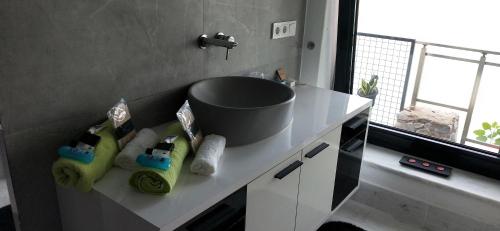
x: 157, y: 181
x: 157, y: 157
x: 71, y: 172
x: 161, y: 150
x: 97, y: 128
x: 146, y: 160
x: 81, y: 150
x: 186, y: 117
x: 120, y: 117
x: 170, y: 139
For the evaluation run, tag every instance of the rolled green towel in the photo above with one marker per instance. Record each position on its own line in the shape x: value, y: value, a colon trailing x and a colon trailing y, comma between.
x: 72, y: 173
x: 158, y: 182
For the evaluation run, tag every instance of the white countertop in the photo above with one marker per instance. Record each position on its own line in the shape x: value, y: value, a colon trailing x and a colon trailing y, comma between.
x: 316, y: 112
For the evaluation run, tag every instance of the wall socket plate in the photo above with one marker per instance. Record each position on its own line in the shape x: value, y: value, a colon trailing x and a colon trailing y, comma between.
x: 284, y: 29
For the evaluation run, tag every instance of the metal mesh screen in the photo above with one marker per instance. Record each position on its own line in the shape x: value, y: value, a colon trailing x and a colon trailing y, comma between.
x: 390, y: 59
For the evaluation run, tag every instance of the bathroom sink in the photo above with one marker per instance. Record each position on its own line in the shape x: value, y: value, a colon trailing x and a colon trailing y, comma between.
x: 243, y: 109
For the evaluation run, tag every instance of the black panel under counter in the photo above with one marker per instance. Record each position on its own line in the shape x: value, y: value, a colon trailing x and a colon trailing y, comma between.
x: 352, y: 142
x: 226, y: 215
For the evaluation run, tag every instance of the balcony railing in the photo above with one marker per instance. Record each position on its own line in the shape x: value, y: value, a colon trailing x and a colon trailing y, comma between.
x: 392, y: 59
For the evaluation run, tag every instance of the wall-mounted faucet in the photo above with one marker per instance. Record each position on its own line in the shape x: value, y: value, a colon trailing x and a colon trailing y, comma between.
x: 219, y: 40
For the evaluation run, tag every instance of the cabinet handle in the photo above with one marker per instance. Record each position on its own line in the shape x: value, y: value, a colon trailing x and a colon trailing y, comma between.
x: 280, y: 175
x: 317, y: 150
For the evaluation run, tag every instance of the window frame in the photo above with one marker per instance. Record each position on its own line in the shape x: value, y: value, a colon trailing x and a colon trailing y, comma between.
x: 448, y: 153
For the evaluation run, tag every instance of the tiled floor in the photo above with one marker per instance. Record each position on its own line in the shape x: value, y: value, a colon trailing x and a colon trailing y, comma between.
x: 376, y: 209
x: 370, y: 219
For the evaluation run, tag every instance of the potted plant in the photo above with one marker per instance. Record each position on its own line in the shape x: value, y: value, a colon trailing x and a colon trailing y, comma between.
x: 369, y: 89
x: 489, y: 134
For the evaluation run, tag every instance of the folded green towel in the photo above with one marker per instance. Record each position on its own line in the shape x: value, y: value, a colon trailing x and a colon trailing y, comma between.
x: 72, y: 173
x: 158, y: 182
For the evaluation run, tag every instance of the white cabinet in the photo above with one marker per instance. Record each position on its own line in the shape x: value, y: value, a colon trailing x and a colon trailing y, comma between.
x: 272, y: 202
x: 302, y: 199
x: 317, y: 180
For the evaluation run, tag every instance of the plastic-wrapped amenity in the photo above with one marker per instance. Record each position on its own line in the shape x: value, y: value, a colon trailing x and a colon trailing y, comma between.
x: 186, y: 117
x: 120, y: 117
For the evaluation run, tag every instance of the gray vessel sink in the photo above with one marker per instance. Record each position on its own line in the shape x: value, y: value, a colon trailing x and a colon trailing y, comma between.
x: 243, y: 109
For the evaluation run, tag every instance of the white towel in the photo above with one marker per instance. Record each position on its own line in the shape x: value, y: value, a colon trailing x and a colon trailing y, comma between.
x: 146, y: 138
x: 207, y: 158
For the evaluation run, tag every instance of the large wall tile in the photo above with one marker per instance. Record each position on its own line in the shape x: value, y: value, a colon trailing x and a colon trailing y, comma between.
x: 77, y: 59
x: 250, y: 22
x: 63, y: 63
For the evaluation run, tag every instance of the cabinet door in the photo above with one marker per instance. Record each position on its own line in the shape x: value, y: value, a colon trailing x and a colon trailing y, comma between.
x: 317, y: 180
x: 272, y: 202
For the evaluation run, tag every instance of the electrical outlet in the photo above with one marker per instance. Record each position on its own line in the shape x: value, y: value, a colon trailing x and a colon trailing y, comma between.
x: 284, y: 29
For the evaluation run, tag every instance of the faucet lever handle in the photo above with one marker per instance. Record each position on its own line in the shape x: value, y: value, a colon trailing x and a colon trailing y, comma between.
x: 220, y: 35
x: 227, y: 53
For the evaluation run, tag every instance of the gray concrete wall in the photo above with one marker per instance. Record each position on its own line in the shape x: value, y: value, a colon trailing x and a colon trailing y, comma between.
x: 63, y: 63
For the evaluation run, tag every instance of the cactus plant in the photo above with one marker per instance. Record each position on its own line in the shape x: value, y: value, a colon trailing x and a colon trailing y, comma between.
x: 369, y: 88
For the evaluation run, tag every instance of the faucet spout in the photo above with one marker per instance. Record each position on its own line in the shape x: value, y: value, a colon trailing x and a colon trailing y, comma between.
x: 220, y: 40
x: 204, y: 42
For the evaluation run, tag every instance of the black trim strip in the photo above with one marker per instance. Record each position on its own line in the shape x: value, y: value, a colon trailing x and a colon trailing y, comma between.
x: 353, y: 145
x: 280, y: 175
x: 346, y: 45
x: 447, y: 153
x: 317, y: 150
x: 356, y: 122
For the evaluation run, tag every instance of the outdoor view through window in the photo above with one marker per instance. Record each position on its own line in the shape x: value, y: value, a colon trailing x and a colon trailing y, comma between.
x: 433, y: 68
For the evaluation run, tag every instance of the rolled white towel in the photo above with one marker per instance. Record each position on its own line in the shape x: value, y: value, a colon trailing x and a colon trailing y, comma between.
x: 146, y: 138
x: 207, y: 158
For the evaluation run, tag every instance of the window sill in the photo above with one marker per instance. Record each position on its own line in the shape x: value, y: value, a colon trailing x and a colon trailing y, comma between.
x: 466, y: 193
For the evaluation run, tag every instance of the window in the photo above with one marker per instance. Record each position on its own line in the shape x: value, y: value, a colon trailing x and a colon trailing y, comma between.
x: 436, y: 96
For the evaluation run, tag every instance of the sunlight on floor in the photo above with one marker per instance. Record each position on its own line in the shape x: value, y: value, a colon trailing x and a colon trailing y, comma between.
x: 4, y: 193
